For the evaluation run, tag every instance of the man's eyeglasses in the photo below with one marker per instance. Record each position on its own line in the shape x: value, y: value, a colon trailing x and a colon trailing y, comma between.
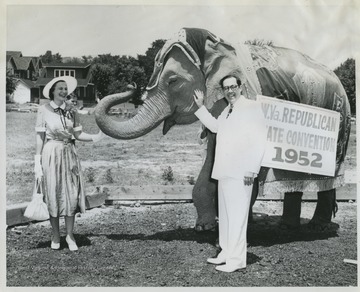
x: 232, y: 87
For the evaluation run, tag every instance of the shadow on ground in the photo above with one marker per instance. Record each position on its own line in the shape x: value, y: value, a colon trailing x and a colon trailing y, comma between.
x: 263, y: 231
x: 267, y: 231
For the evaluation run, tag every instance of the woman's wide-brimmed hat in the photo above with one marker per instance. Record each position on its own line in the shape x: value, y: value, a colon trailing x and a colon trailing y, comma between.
x: 71, y: 83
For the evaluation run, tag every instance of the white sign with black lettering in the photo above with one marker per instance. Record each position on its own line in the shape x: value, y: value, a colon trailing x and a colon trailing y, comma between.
x: 300, y: 137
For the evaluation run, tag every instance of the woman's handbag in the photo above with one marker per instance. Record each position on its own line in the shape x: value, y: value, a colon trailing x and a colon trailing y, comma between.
x: 37, y: 209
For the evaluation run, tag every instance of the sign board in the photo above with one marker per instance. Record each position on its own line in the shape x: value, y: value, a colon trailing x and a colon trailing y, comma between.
x: 300, y: 137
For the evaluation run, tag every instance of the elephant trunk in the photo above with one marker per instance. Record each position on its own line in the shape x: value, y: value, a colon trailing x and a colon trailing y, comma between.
x: 150, y: 115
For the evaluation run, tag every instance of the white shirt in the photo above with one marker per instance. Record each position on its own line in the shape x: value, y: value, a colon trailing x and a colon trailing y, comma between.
x: 240, y: 141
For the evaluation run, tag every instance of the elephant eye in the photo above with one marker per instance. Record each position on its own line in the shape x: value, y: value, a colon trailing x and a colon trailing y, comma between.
x: 172, y: 80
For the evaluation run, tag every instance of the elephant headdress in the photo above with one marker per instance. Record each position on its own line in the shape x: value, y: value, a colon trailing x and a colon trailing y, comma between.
x: 214, y: 57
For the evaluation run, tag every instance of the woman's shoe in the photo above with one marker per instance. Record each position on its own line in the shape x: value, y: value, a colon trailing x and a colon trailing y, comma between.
x: 72, y: 244
x: 55, y: 245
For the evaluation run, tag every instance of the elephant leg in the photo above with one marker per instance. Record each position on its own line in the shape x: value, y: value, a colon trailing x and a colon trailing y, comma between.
x: 205, y: 201
x: 204, y: 193
x: 326, y: 206
x: 291, y: 210
x: 254, y: 194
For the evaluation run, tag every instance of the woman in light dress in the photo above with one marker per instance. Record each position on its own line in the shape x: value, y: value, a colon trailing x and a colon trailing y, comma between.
x: 56, y: 161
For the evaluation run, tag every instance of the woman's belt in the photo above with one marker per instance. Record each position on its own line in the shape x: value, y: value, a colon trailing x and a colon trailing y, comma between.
x: 64, y: 141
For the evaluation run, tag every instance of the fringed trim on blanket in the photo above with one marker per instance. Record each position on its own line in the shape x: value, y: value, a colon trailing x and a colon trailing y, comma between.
x: 250, y: 83
x: 281, y: 187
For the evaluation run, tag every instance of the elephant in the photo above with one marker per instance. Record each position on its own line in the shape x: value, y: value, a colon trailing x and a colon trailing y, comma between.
x: 197, y: 59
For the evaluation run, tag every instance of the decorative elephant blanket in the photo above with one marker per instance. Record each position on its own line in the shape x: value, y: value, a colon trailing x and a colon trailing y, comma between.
x: 301, y: 80
x: 280, y: 73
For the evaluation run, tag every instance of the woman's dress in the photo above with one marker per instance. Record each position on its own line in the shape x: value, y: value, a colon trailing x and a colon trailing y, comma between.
x: 62, y: 181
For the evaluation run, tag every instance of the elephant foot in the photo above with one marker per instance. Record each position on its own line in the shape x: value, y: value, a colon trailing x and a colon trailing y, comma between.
x: 289, y: 225
x: 326, y: 207
x: 291, y: 212
x: 206, y: 226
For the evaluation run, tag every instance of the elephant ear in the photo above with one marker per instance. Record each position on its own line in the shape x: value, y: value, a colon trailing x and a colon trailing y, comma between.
x: 222, y: 59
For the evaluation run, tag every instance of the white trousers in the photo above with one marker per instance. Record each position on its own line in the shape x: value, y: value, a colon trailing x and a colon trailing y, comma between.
x: 234, y: 203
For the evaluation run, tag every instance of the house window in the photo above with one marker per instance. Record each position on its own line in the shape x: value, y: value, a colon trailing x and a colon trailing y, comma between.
x: 60, y: 72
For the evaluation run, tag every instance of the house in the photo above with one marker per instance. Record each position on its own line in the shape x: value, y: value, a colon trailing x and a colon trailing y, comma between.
x: 38, y: 66
x: 10, y: 65
x: 22, y: 94
x: 16, y: 54
x: 22, y: 67
x: 31, y: 68
x: 85, y: 90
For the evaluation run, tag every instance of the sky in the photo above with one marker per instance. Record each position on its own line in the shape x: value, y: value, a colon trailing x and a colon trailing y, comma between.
x: 328, y: 34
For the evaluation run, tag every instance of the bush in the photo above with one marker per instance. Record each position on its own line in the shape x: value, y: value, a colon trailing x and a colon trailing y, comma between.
x: 168, y: 175
x: 90, y: 174
x: 108, y: 176
x: 191, y: 180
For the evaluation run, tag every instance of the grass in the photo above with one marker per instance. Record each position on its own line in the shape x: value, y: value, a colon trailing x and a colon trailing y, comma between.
x: 141, y: 161
x: 123, y: 162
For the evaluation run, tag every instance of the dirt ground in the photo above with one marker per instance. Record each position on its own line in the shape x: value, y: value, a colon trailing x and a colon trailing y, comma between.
x: 156, y: 245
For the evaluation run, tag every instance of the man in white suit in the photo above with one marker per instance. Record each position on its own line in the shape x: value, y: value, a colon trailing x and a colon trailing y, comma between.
x: 240, y: 146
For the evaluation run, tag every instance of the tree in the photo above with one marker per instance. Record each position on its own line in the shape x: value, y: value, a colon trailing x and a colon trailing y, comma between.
x: 87, y: 59
x: 73, y: 60
x: 101, y: 77
x: 50, y: 58
x: 346, y: 74
x: 112, y: 74
x: 147, y: 61
x: 126, y: 71
x: 106, y: 59
x: 11, y: 84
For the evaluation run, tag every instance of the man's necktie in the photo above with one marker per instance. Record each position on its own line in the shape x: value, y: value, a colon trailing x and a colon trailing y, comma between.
x: 230, y: 110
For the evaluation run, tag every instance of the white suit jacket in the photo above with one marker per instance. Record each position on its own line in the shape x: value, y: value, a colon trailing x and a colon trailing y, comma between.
x: 240, y: 141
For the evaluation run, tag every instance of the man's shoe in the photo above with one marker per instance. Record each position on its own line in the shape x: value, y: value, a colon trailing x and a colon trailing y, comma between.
x: 228, y: 268
x: 216, y: 261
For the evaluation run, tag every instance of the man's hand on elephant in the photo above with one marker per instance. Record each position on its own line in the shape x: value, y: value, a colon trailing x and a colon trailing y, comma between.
x: 199, y: 97
x: 248, y: 179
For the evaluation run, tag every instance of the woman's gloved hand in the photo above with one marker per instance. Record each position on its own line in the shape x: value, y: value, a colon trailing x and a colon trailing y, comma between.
x: 37, y: 168
x: 99, y: 136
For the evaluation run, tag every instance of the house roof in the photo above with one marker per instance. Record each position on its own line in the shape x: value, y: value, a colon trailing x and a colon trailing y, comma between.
x: 67, y: 65
x: 36, y: 59
x: 43, y: 81
x: 28, y: 83
x: 14, y: 53
x: 22, y: 63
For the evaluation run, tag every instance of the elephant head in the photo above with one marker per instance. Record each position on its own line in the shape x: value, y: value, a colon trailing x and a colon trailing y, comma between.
x: 195, y: 59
